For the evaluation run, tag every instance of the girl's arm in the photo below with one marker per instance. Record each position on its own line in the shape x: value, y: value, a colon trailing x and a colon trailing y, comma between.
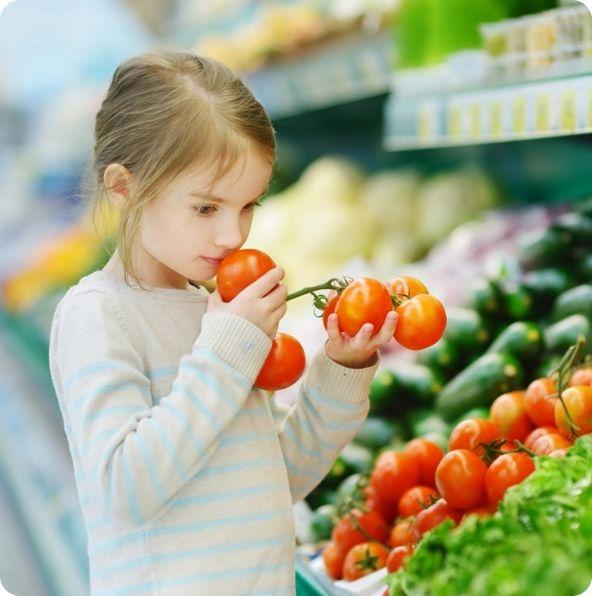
x: 134, y: 454
x: 331, y: 406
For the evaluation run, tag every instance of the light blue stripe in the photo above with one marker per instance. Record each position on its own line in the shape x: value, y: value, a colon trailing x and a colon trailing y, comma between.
x: 109, y: 411
x: 201, y: 578
x: 186, y: 528
x: 111, y: 388
x: 219, y: 497
x: 151, y: 466
x: 229, y: 495
x: 307, y: 426
x: 329, y: 424
x: 295, y: 440
x: 212, y: 383
x: 258, y: 412
x: 100, y: 438
x: 233, y: 440
x: 236, y: 467
x: 132, y: 494
x: 241, y: 379
x: 234, y: 547
x: 203, y: 409
x: 166, y: 441
x: 197, y: 442
x: 333, y: 403
x: 296, y: 471
x: 107, y: 365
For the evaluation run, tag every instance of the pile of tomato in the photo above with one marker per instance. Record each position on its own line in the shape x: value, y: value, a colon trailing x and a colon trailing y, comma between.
x: 412, y: 491
x: 421, y: 323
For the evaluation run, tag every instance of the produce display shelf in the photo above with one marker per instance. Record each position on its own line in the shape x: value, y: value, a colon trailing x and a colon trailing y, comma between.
x: 508, y: 110
x: 348, y: 69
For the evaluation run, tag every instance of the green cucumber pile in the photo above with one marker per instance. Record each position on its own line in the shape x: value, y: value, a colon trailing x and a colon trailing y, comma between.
x: 540, y: 542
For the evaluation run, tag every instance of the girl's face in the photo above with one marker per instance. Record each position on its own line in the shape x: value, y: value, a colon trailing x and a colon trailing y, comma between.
x: 189, y: 227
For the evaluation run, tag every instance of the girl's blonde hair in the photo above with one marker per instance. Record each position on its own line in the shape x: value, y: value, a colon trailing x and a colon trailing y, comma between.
x: 165, y: 111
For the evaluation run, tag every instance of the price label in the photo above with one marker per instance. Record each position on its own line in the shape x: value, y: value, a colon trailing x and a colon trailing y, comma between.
x: 568, y: 110
x: 543, y: 112
x: 475, y: 119
x: 519, y: 115
x: 496, y: 118
x: 454, y: 121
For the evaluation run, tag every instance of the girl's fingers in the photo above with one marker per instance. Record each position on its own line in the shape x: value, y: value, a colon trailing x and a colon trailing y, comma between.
x: 333, y: 328
x: 363, y: 336
x: 388, y: 328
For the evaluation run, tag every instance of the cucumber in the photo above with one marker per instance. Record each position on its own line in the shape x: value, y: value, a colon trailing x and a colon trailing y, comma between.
x: 479, y: 384
x: 544, y: 248
x: 425, y: 422
x: 584, y: 269
x: 472, y: 414
x: 577, y: 301
x: 322, y: 522
x: 442, y: 357
x: 405, y: 386
x: 353, y: 459
x: 577, y: 225
x: 547, y: 366
x: 347, y: 486
x: 518, y: 301
x: 547, y: 284
x: 466, y: 330
x: 485, y: 298
x: 522, y: 339
x: 377, y: 432
x: 565, y: 333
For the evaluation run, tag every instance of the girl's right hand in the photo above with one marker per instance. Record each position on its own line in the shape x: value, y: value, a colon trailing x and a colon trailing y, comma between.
x: 263, y: 303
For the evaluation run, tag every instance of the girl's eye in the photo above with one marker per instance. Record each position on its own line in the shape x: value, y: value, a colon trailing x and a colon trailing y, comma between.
x: 252, y: 206
x: 204, y: 209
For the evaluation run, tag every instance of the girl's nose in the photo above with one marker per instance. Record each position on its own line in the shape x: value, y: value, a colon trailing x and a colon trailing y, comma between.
x: 229, y: 238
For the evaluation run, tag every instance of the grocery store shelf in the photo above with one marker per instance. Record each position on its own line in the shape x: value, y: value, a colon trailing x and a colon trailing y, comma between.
x: 346, y: 70
x: 510, y: 110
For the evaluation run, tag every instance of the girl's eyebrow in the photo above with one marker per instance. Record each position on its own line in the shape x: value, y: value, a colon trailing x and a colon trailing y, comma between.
x: 216, y: 199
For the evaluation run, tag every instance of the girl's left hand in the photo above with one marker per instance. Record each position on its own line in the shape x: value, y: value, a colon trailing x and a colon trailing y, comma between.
x: 356, y: 352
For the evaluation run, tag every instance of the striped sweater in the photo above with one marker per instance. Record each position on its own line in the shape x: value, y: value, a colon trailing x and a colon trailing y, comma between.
x: 186, y: 473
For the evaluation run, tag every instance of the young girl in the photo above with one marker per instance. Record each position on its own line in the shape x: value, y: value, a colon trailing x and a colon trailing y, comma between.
x: 187, y: 473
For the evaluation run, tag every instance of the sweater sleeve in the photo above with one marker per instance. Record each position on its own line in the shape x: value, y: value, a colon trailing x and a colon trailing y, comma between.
x: 331, y: 406
x: 120, y: 437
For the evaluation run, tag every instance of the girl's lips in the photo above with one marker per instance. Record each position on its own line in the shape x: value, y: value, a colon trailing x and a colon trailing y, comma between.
x: 212, y: 261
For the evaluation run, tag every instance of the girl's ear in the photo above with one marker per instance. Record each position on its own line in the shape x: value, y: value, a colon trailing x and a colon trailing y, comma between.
x: 117, y: 180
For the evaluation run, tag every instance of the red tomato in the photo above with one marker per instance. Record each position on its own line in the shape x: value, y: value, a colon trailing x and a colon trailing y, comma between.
x: 509, y: 414
x: 508, y: 446
x: 578, y: 401
x: 506, y: 471
x: 539, y: 403
x: 402, y: 533
x: 583, y: 376
x: 333, y: 558
x: 363, y: 301
x: 393, y: 474
x: 539, y: 432
x: 373, y: 502
x: 433, y: 516
x: 427, y: 456
x: 284, y: 364
x: 416, y: 499
x: 240, y: 269
x: 486, y: 510
x: 460, y: 478
x: 330, y: 308
x: 468, y: 434
x: 364, y: 559
x: 346, y: 536
x: 546, y: 444
x: 422, y: 321
x: 406, y: 287
x: 398, y: 557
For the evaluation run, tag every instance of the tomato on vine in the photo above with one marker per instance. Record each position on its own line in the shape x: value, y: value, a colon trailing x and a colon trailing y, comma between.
x: 460, y: 479
x: 472, y: 434
x: 398, y: 557
x: 578, y: 402
x: 507, y: 470
x: 364, y: 559
x: 435, y: 515
x: 406, y: 286
x: 422, y: 321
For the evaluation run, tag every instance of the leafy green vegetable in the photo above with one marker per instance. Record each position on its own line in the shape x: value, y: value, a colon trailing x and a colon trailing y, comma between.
x: 540, y: 542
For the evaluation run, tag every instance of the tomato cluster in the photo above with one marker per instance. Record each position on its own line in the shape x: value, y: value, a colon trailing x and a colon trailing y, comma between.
x: 421, y: 323
x: 415, y: 490
x: 422, y: 318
